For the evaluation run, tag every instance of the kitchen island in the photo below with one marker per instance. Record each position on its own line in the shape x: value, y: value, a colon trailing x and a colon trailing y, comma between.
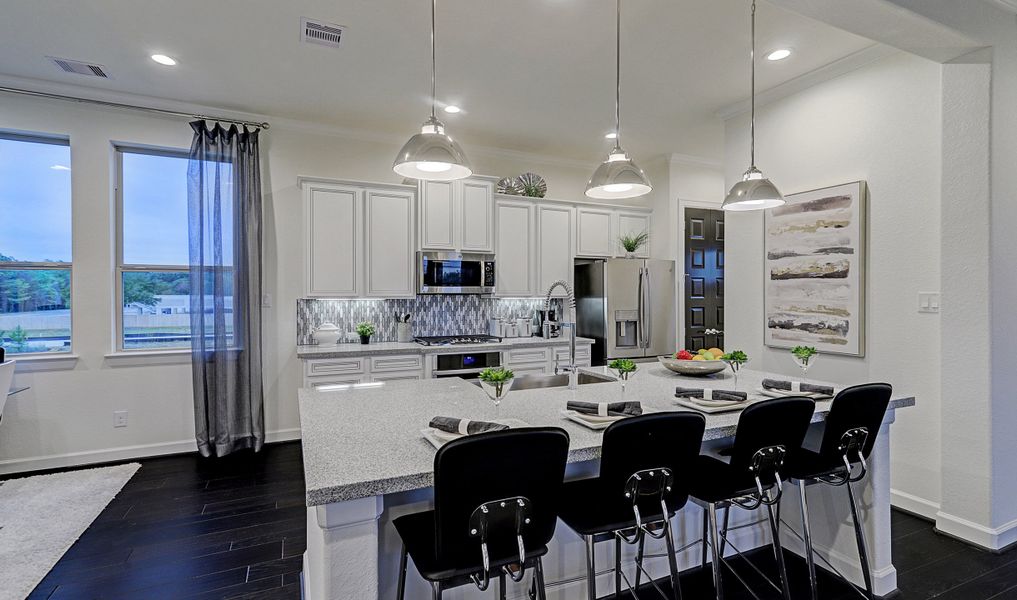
x: 366, y: 463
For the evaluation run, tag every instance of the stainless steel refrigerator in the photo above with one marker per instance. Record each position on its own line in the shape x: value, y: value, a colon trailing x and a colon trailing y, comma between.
x: 627, y: 306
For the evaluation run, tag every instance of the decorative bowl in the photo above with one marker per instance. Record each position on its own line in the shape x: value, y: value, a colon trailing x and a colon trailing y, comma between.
x: 692, y: 368
x: 509, y: 186
x: 533, y: 183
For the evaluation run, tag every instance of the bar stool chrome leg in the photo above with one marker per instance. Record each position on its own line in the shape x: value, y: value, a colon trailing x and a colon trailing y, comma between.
x: 591, y: 569
x: 436, y: 591
x: 706, y: 536
x: 807, y: 534
x: 401, y: 590
x: 778, y: 551
x: 617, y: 567
x: 863, y: 556
x: 715, y: 547
x: 541, y: 591
x: 676, y: 586
x: 639, y: 560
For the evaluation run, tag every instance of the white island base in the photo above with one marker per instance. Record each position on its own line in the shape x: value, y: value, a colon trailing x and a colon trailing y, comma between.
x: 353, y: 549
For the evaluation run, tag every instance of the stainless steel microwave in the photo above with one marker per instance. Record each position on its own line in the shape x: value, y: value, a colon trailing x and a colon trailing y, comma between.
x: 455, y: 273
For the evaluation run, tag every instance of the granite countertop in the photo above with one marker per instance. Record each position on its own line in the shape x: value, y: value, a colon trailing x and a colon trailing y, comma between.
x: 383, y: 348
x: 366, y: 440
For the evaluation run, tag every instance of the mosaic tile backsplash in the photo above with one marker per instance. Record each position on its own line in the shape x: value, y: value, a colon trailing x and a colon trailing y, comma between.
x: 432, y: 315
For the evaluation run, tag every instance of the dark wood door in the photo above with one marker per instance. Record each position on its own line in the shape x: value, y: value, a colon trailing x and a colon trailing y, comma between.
x: 704, y: 278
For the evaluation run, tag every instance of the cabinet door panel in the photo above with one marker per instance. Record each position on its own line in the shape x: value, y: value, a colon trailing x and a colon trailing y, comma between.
x: 554, y: 246
x: 477, y: 202
x: 514, y: 267
x: 389, y: 226
x: 333, y: 252
x: 593, y: 236
x: 633, y: 224
x: 437, y: 215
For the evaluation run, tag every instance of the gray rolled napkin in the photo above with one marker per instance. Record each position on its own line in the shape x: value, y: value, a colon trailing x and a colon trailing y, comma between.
x: 796, y: 386
x: 708, y: 394
x: 606, y: 409
x: 464, y: 426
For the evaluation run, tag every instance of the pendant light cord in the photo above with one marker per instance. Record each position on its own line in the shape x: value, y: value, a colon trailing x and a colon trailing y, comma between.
x: 433, y: 62
x: 617, y: 75
x: 752, y: 101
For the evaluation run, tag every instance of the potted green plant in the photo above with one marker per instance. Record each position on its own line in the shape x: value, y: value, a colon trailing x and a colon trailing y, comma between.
x: 624, y: 368
x: 496, y: 383
x: 804, y: 356
x: 633, y: 242
x: 735, y: 359
x: 365, y: 330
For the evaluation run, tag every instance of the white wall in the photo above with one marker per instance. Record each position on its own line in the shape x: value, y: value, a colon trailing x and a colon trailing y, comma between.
x: 880, y: 124
x: 67, y: 416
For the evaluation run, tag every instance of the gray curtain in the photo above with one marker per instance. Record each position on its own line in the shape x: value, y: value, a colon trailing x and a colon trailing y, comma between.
x: 224, y: 227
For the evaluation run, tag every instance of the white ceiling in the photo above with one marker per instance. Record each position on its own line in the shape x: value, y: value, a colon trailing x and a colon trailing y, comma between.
x: 531, y: 75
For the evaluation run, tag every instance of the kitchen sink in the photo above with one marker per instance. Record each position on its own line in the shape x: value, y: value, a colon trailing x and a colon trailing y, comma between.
x: 535, y: 382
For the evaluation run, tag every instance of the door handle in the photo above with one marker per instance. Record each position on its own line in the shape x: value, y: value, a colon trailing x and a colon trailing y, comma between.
x: 713, y: 332
x: 647, y: 310
x: 639, y: 311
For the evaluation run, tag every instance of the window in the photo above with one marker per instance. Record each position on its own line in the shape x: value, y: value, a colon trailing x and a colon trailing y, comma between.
x: 153, y: 279
x: 35, y: 244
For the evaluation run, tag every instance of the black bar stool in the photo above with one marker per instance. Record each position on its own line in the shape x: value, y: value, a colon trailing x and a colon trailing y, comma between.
x: 834, y: 454
x: 748, y: 474
x: 495, y: 509
x: 646, y: 464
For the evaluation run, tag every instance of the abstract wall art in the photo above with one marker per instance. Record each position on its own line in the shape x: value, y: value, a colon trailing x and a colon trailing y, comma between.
x: 815, y: 270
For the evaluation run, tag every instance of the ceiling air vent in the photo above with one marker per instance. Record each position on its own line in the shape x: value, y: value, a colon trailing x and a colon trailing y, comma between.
x: 80, y: 68
x: 319, y: 32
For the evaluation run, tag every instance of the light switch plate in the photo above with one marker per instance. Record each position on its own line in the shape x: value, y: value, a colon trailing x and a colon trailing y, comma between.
x: 120, y: 418
x: 928, y: 302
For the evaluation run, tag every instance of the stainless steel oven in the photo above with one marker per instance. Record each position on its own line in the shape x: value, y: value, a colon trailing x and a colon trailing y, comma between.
x: 466, y: 365
x: 455, y: 273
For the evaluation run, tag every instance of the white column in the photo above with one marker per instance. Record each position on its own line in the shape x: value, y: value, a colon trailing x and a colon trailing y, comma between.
x: 341, y: 561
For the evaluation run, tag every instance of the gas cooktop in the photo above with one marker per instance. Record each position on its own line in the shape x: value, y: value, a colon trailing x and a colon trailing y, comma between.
x: 456, y: 340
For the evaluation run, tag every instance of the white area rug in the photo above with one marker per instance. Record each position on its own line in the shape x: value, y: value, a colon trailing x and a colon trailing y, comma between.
x: 42, y: 516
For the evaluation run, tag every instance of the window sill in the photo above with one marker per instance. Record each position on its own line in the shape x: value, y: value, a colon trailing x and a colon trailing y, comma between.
x: 148, y: 357
x: 29, y: 363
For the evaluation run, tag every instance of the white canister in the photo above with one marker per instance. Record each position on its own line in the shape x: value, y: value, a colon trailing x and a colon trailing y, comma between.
x: 327, y: 335
x: 523, y: 328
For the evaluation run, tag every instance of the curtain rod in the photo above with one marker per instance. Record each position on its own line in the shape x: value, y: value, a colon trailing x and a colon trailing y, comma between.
x: 163, y: 111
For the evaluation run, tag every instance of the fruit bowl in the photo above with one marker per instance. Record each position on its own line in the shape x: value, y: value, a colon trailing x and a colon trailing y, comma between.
x: 692, y: 368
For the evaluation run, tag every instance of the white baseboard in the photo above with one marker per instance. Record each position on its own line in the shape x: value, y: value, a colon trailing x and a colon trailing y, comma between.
x: 915, y: 505
x: 990, y: 538
x: 74, y: 459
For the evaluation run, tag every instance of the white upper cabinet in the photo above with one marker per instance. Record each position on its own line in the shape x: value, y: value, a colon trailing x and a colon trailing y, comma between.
x: 389, y: 221
x: 515, y: 250
x: 438, y: 215
x: 593, y: 232
x: 477, y: 215
x: 555, y: 232
x: 332, y: 231
x: 457, y: 215
x: 632, y: 223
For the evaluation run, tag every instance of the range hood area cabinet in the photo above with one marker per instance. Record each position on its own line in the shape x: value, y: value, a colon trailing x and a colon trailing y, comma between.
x: 359, y: 240
x: 598, y: 231
x: 458, y: 216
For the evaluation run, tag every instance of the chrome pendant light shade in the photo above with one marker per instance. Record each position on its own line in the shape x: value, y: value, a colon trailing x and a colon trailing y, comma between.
x: 432, y: 154
x: 619, y: 176
x: 754, y: 191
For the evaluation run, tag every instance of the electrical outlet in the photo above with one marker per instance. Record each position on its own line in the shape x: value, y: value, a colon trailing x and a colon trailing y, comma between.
x: 266, y: 300
x: 120, y: 418
x: 928, y: 302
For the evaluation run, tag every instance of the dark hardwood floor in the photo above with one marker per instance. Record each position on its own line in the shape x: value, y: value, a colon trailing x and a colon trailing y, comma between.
x: 191, y: 528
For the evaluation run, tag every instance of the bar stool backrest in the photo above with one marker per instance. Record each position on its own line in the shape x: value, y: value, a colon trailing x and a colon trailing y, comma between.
x: 476, y: 469
x: 670, y: 440
x: 858, y: 406
x: 776, y: 422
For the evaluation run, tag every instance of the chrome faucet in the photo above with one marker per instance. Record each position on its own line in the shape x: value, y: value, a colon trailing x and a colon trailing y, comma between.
x: 570, y: 368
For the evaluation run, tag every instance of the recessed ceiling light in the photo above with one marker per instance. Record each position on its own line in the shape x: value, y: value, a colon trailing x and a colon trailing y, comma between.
x: 452, y: 109
x: 779, y: 54
x: 611, y: 135
x: 60, y: 168
x: 162, y: 59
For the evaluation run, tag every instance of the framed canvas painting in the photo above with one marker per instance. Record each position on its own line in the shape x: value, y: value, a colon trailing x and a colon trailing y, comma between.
x: 815, y: 271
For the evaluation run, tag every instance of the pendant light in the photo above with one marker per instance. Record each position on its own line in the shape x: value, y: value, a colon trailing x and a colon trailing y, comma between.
x: 432, y: 154
x: 753, y: 192
x: 617, y: 177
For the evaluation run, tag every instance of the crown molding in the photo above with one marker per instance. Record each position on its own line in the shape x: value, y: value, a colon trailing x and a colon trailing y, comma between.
x: 837, y: 68
x: 277, y: 123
